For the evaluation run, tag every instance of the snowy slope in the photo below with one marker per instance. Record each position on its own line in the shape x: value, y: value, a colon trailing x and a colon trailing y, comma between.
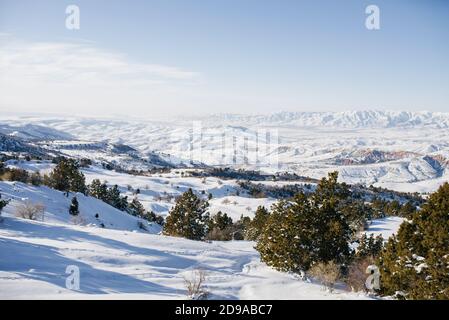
x: 57, y: 207
x: 118, y: 264
x: 386, y: 227
x: 158, y: 192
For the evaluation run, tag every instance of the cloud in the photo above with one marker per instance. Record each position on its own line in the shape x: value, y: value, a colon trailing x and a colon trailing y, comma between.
x: 79, y: 61
x: 48, y: 75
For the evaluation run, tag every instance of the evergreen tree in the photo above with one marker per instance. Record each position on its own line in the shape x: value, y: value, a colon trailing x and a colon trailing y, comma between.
x: 109, y: 195
x: 135, y: 208
x: 357, y: 213
x: 407, y: 210
x: 115, y: 199
x: 220, y: 221
x: 67, y: 177
x: 3, y: 203
x: 329, y: 188
x: 416, y: 262
x: 74, y: 210
x: 188, y: 218
x: 257, y: 224
x: 369, y: 246
x: 220, y: 227
x: 98, y: 190
x: 153, y: 217
x: 307, y: 230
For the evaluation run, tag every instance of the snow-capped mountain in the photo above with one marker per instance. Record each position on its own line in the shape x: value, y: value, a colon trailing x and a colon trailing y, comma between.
x: 30, y: 131
x: 345, y: 119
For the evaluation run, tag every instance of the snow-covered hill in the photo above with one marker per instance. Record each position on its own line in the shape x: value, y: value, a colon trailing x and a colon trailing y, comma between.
x: 57, y: 205
x: 408, y: 151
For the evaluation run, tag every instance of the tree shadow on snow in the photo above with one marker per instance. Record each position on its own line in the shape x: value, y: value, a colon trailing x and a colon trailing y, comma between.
x: 44, y: 263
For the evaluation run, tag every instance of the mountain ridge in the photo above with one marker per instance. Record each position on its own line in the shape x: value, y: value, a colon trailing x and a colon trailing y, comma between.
x: 344, y: 119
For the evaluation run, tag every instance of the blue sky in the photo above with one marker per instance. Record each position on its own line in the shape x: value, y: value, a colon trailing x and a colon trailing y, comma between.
x: 196, y: 56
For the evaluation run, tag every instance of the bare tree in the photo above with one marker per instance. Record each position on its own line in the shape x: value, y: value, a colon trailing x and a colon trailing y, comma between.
x: 357, y: 276
x: 327, y: 273
x: 195, y: 285
x: 30, y: 210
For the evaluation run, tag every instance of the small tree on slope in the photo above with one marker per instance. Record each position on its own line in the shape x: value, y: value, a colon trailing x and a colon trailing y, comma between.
x: 416, y: 262
x: 3, y: 204
x: 188, y: 218
x: 67, y: 177
x: 136, y: 208
x: 74, y: 207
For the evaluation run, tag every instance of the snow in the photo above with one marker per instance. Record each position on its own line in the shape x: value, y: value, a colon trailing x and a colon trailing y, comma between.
x: 43, y: 167
x: 158, y: 192
x: 116, y: 264
x: 385, y: 227
x: 236, y: 206
x: 57, y: 207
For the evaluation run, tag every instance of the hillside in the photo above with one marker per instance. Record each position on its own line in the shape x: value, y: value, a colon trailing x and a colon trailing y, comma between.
x: 57, y: 208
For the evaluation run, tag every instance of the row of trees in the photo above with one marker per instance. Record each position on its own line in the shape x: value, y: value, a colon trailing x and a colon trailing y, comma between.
x: 67, y: 177
x: 190, y: 219
x: 64, y: 177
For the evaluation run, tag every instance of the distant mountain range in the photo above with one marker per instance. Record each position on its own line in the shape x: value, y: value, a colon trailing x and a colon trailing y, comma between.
x: 380, y: 147
x: 345, y: 119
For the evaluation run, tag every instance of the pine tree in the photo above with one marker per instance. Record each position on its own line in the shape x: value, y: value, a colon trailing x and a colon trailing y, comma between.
x: 220, y: 227
x: 109, y: 195
x: 307, y: 230
x: 135, y: 208
x: 188, y: 218
x: 369, y: 246
x: 3, y: 203
x: 115, y: 199
x: 257, y: 224
x: 416, y: 262
x: 329, y: 188
x: 407, y: 210
x: 220, y: 221
x: 98, y: 190
x: 67, y: 177
x: 74, y: 210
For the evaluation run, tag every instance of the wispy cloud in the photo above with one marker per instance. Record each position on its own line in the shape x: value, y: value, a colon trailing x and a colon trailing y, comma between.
x: 74, y: 62
x: 81, y: 76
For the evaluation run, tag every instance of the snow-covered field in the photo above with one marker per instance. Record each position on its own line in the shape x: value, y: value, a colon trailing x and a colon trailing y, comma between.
x: 117, y: 264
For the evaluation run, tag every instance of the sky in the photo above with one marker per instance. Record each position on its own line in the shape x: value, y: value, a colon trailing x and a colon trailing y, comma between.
x: 161, y: 58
